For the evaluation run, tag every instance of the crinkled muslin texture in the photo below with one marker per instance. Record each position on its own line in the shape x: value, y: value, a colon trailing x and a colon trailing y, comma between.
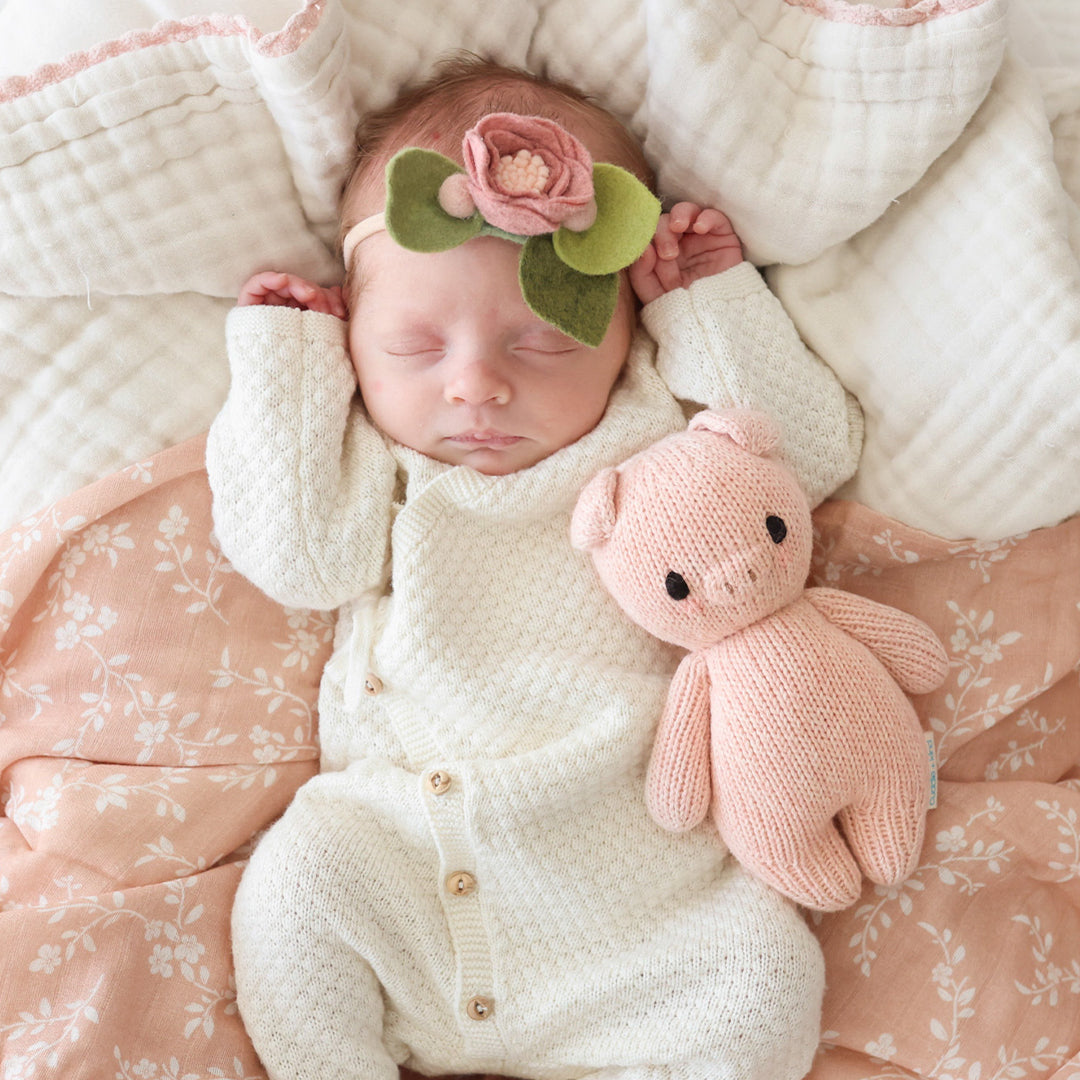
x: 955, y: 320
x: 972, y: 960
x: 184, y: 156
x: 148, y: 734
x: 156, y: 712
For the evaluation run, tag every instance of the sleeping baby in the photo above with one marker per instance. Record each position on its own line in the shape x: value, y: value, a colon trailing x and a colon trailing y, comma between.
x: 473, y: 882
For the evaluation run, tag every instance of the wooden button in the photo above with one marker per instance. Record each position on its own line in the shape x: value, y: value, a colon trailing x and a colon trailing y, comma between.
x: 481, y: 1008
x: 460, y: 883
x: 372, y: 684
x: 439, y: 782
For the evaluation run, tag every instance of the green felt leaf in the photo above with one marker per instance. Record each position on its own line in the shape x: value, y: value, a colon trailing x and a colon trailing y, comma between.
x: 626, y: 216
x: 580, y: 305
x: 414, y: 217
x: 492, y: 230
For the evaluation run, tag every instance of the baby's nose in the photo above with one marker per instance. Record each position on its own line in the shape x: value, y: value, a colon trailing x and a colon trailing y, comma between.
x: 477, y: 380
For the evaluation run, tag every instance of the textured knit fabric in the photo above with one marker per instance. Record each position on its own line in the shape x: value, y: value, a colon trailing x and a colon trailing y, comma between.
x: 752, y: 356
x: 474, y: 881
x: 789, y: 712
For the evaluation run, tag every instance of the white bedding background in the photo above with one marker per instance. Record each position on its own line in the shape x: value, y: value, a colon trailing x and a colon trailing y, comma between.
x: 908, y: 171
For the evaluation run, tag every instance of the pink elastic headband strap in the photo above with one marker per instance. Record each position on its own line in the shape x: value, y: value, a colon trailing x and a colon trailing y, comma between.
x: 359, y: 232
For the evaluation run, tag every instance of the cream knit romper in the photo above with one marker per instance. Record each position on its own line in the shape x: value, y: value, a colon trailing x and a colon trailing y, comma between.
x: 473, y: 882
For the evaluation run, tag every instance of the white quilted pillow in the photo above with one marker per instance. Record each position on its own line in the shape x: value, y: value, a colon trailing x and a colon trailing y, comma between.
x: 34, y: 33
x: 85, y: 392
x: 143, y: 179
x: 173, y: 161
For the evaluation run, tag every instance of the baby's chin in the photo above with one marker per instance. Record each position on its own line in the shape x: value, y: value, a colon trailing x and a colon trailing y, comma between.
x: 489, y: 463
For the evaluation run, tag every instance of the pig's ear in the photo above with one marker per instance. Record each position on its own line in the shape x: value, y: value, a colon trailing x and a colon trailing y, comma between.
x: 594, y: 515
x: 752, y: 430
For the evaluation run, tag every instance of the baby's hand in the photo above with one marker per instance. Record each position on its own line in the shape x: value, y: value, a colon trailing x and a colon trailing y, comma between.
x: 287, y: 290
x: 690, y: 243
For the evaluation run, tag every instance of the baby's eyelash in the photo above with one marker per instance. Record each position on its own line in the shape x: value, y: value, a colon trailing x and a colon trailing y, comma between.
x: 404, y: 352
x: 548, y: 346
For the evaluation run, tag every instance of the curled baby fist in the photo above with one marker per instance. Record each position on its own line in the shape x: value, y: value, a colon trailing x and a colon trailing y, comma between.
x: 691, y: 242
x: 287, y: 290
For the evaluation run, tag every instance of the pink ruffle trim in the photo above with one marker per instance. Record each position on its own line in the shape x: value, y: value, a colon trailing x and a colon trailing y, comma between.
x: 906, y: 13
x: 280, y: 43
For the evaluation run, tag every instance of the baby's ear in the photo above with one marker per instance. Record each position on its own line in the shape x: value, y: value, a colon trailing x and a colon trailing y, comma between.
x: 594, y: 515
x: 753, y: 431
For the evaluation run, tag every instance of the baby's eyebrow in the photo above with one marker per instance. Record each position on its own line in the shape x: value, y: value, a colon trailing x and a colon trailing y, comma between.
x: 545, y: 332
x: 410, y: 335
x: 400, y: 320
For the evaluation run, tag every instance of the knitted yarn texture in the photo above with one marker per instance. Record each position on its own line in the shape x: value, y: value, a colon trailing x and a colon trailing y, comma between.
x: 788, y: 716
x: 505, y: 736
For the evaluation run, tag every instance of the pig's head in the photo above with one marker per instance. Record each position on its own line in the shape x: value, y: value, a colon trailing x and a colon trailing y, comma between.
x: 703, y: 533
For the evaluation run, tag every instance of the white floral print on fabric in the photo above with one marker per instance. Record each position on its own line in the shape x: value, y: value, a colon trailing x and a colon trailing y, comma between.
x: 969, y: 969
x: 157, y: 712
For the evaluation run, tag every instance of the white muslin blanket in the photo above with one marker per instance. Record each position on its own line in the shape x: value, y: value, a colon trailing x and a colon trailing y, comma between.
x: 906, y: 171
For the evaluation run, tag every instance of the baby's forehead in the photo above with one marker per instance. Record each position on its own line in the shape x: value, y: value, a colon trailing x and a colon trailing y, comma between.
x: 412, y: 281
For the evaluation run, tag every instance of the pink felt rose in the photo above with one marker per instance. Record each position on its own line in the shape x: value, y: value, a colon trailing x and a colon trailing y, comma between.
x: 528, y: 175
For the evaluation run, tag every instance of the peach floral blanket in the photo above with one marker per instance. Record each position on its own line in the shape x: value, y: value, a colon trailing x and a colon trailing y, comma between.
x: 157, y: 712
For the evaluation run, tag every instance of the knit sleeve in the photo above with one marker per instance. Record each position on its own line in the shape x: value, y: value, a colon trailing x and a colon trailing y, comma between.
x: 727, y: 341
x: 302, y: 483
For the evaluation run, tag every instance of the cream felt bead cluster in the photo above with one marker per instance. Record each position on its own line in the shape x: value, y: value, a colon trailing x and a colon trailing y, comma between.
x: 523, y: 173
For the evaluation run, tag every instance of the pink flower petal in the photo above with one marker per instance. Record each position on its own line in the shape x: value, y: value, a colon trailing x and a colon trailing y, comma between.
x: 547, y: 179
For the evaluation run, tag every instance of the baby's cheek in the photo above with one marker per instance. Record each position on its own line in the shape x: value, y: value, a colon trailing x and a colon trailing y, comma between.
x: 370, y: 381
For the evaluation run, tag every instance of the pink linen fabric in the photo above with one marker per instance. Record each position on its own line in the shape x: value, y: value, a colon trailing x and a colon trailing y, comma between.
x: 157, y: 712
x: 971, y: 968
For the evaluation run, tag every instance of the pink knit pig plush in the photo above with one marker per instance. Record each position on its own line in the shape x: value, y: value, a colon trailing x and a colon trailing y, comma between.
x: 788, y: 714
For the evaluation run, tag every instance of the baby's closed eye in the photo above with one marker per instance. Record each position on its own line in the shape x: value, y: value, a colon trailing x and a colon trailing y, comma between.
x: 547, y: 341
x: 414, y: 347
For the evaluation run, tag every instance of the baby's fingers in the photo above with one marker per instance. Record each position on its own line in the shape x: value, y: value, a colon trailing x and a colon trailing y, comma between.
x: 712, y: 220
x: 276, y: 289
x: 666, y: 239
x: 643, y: 276
x: 325, y: 301
x: 336, y: 302
x: 682, y: 216
x: 256, y: 289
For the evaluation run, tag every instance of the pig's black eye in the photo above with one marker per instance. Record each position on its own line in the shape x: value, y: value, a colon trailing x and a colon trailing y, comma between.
x: 676, y: 586
x: 777, y: 528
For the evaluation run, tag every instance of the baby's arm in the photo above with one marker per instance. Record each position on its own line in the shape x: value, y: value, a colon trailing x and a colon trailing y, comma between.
x: 302, y: 484
x: 724, y: 339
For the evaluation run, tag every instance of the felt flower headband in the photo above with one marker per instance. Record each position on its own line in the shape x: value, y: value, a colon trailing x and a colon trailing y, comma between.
x: 529, y: 180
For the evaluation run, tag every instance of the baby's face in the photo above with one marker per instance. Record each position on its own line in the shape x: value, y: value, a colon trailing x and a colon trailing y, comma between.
x: 451, y: 362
